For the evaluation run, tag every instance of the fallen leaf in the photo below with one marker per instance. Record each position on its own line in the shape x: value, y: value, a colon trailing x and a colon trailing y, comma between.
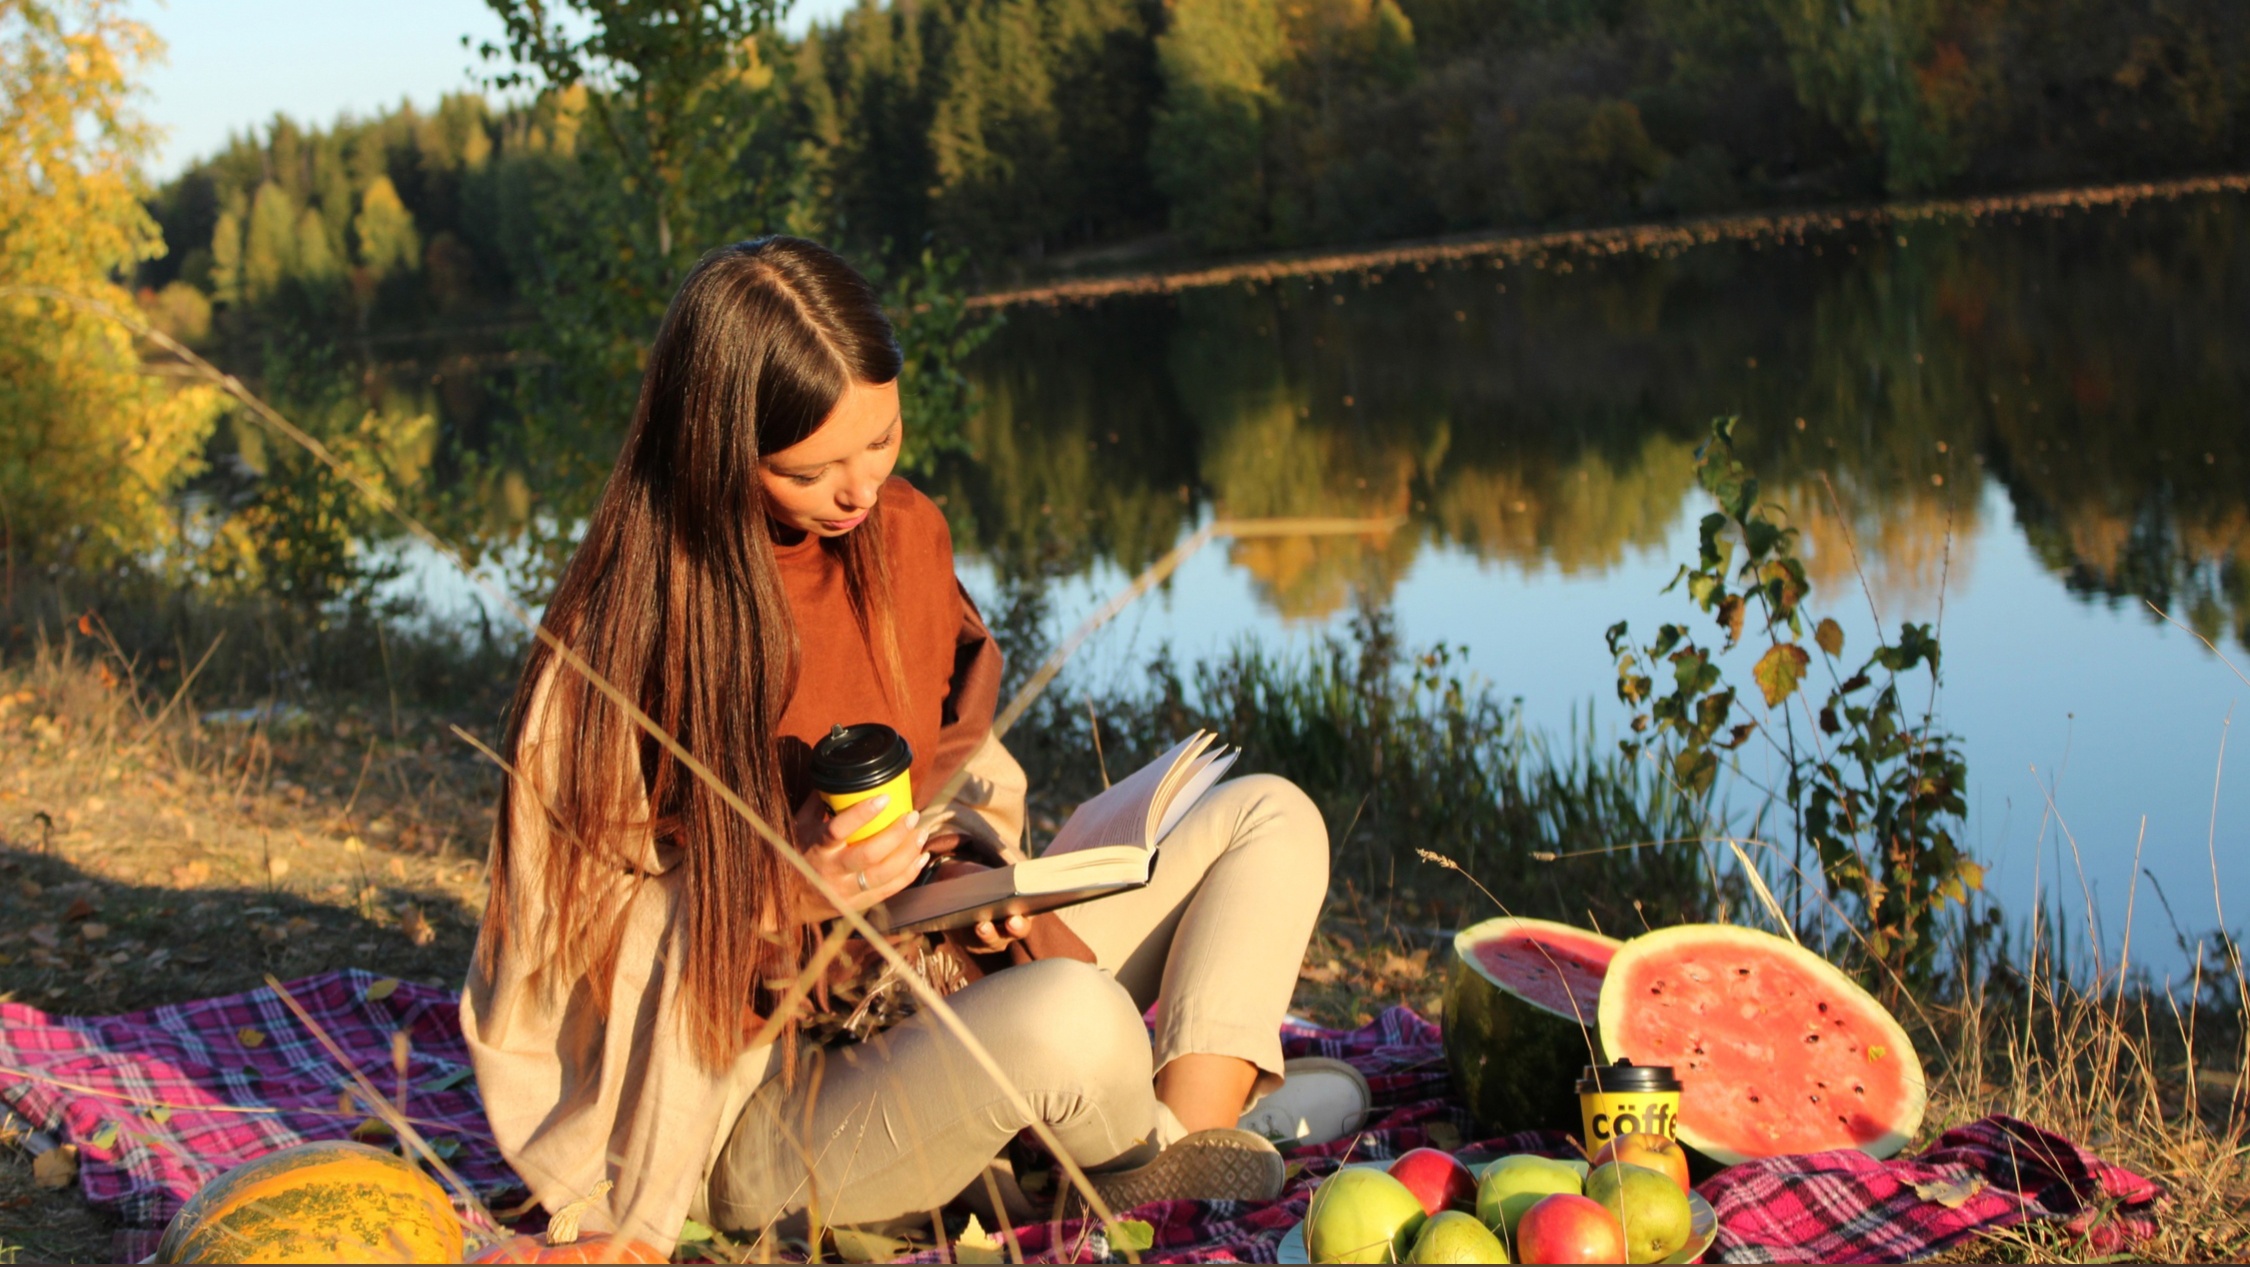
x: 80, y: 909
x: 692, y: 1232
x: 1132, y: 1235
x: 57, y: 1167
x: 975, y: 1245
x: 277, y: 867
x: 380, y: 990
x: 1444, y: 1136
x: 446, y: 1147
x: 353, y: 844
x: 30, y: 889
x: 92, y: 930
x: 398, y: 868
x: 105, y: 1138
x: 249, y: 1037
x: 44, y: 935
x: 1951, y: 1193
x: 158, y: 1114
x: 854, y: 1245
x: 1320, y: 974
x: 189, y: 874
x: 450, y: 1080
x: 417, y: 927
x: 371, y: 1128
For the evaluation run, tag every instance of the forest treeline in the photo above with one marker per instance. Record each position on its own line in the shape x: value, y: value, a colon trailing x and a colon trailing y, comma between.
x: 1036, y: 134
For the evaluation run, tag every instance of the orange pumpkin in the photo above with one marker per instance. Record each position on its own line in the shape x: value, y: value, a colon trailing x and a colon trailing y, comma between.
x: 589, y: 1249
x: 334, y: 1201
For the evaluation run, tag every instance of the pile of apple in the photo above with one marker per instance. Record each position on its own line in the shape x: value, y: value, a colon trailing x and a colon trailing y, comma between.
x: 1632, y: 1207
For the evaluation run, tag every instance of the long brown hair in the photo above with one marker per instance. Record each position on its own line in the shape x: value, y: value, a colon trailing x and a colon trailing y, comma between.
x: 673, y: 597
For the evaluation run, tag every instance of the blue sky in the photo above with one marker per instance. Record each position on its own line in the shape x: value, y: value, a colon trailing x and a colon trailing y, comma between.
x: 233, y: 64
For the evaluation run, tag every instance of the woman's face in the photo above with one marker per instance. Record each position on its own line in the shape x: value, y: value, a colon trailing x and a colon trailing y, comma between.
x: 827, y: 482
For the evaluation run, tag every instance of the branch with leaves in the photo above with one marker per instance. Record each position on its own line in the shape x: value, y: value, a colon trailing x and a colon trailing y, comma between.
x: 1881, y: 808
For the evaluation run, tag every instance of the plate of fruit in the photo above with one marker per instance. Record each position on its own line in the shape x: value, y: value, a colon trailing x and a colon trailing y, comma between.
x: 1632, y: 1204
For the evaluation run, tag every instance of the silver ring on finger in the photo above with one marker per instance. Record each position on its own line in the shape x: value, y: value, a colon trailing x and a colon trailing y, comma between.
x: 862, y: 880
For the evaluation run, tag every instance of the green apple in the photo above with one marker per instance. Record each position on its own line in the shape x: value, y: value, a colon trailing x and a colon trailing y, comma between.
x: 1512, y: 1185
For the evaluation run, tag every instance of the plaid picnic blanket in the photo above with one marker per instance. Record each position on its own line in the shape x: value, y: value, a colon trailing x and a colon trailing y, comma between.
x: 1846, y: 1207
x: 160, y: 1101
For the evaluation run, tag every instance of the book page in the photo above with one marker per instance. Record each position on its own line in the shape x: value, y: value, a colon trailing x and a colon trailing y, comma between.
x: 1125, y: 813
x: 1208, y: 769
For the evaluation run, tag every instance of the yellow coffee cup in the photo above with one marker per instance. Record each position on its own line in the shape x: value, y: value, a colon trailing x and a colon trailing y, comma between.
x: 1628, y: 1099
x: 853, y: 763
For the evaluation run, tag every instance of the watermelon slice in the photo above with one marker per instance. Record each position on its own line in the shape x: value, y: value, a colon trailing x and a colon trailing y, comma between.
x: 1520, y: 1010
x: 1776, y: 1050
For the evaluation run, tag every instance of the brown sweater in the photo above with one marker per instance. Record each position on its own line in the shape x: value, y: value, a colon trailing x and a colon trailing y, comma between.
x: 581, y: 1089
x: 951, y: 664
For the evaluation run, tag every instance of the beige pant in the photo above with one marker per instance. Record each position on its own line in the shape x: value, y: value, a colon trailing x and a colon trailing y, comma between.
x: 872, y: 1132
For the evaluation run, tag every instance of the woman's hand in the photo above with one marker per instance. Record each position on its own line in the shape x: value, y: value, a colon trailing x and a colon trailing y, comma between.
x: 987, y: 938
x: 866, y: 872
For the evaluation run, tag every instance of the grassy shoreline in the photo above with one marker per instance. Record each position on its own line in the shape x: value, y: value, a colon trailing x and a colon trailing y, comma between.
x: 350, y: 830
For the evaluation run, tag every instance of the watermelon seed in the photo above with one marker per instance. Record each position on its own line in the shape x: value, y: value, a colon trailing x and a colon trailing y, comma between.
x: 1816, y: 1097
x: 1824, y: 1007
x: 1858, y: 1089
x: 1755, y: 1098
x: 1812, y: 1038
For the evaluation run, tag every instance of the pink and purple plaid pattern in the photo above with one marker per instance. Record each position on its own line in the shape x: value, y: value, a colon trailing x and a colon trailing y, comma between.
x: 97, y: 1082
x: 156, y: 1100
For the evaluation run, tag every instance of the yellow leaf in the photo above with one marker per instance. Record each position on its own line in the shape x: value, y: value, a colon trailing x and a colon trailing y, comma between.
x: 1132, y: 1235
x: 1950, y: 1193
x: 1779, y: 671
x: 57, y: 1167
x: 856, y: 1246
x: 378, y: 991
x: 249, y: 1037
x: 975, y: 1245
x: 1829, y: 635
x: 1875, y: 1053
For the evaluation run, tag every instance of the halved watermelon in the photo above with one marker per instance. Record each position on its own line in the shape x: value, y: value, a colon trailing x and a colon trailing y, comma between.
x: 1776, y: 1050
x: 1520, y: 1011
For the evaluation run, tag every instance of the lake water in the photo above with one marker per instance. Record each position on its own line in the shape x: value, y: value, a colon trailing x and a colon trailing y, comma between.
x: 2029, y: 428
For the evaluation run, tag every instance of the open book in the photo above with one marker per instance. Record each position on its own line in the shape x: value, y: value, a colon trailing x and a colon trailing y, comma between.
x: 1108, y: 846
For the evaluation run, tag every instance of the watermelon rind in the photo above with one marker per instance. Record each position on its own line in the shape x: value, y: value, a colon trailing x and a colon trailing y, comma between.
x: 1514, y: 1063
x: 1725, y: 958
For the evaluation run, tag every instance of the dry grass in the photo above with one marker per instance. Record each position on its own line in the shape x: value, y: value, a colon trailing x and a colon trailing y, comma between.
x: 142, y: 864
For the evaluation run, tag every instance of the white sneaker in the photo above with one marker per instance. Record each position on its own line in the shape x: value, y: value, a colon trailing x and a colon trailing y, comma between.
x: 1320, y: 1100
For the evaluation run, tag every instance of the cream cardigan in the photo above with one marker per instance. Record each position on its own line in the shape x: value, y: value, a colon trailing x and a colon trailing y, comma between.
x: 581, y: 1091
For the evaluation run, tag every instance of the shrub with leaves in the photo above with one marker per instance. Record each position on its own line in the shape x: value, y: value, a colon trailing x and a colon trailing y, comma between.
x: 1877, y: 793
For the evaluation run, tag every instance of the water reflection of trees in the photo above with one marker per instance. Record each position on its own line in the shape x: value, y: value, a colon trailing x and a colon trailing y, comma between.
x: 1543, y: 416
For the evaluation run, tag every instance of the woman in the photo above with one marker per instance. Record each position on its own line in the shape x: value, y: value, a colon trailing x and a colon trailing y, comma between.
x: 751, y: 577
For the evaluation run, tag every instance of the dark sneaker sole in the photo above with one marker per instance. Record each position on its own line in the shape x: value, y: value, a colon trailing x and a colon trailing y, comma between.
x: 1215, y: 1165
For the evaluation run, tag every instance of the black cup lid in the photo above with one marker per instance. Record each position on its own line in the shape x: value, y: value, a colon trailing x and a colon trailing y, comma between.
x: 856, y: 758
x: 1628, y: 1077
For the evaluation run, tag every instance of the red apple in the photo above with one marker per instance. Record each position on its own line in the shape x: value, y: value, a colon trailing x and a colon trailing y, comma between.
x: 1437, y: 1179
x: 1569, y: 1229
